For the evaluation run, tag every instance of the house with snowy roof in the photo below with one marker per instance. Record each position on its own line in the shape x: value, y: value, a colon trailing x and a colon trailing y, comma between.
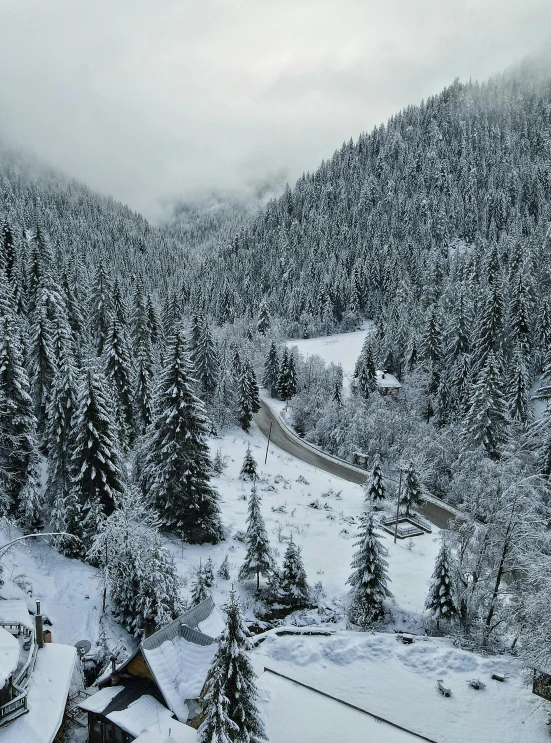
x: 387, y: 384
x: 155, y: 694
x: 35, y: 676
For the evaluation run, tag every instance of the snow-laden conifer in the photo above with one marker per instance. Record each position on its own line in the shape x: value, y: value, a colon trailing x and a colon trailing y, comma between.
x: 441, y: 600
x: 374, y: 487
x: 369, y: 578
x: 249, y: 466
x: 270, y: 377
x: 176, y: 474
x: 412, y: 491
x: 231, y: 713
x: 259, y: 559
x: 293, y: 584
x: 120, y: 377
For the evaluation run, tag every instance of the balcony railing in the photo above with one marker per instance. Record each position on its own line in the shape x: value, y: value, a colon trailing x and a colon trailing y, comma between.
x: 18, y: 704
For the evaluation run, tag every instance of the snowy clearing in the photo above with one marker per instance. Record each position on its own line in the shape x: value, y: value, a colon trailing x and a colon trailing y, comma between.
x: 342, y: 348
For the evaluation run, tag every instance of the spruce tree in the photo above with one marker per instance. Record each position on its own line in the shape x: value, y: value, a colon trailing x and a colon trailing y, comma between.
x: 369, y: 578
x: 264, y: 322
x: 374, y: 487
x: 519, y: 390
x: 412, y: 493
x: 18, y: 444
x: 270, y: 378
x: 176, y: 474
x: 119, y: 375
x: 258, y: 560
x: 199, y: 588
x: 41, y: 362
x: 224, y: 569
x: 208, y: 573
x: 337, y: 386
x: 287, y: 382
x: 249, y: 466
x: 7, y: 251
x: 101, y: 307
x: 249, y: 399
x: 96, y: 465
x: 366, y: 381
x: 293, y: 584
x: 231, y: 713
x: 144, y: 387
x: 205, y: 360
x: 486, y: 421
x: 441, y: 600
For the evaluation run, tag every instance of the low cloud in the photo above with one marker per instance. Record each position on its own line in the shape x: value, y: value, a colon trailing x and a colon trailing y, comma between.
x: 150, y: 100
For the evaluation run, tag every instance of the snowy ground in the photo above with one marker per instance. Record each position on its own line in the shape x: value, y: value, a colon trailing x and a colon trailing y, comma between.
x: 378, y: 673
x: 370, y: 670
x: 343, y: 349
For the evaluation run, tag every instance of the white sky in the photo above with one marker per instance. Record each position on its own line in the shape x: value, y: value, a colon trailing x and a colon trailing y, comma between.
x: 152, y: 99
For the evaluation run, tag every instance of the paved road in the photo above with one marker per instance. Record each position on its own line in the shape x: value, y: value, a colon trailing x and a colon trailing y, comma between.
x: 437, y: 514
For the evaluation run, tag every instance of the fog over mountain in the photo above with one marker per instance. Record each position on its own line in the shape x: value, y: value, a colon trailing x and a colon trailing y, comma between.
x: 151, y: 102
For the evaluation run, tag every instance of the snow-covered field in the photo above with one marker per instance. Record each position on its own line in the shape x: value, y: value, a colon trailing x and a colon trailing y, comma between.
x: 371, y: 670
x: 342, y: 348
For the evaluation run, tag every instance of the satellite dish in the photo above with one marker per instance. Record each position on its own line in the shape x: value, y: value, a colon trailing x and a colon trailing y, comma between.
x: 83, y: 646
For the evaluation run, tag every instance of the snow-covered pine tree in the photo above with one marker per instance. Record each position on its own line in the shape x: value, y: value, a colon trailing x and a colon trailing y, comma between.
x: 205, y: 360
x: 96, y: 465
x: 217, y: 726
x: 412, y: 492
x: 270, y: 378
x: 441, y: 600
x: 159, y: 597
x: 264, y: 321
x: 249, y: 399
x: 176, y: 474
x: 144, y: 387
x: 101, y: 306
x: 231, y: 713
x: 337, y: 386
x: 224, y: 569
x: 199, y: 588
x: 365, y: 371
x: 287, y: 384
x: 120, y: 377
x: 486, y: 421
x: 519, y: 390
x: 258, y: 560
x: 249, y: 466
x: 41, y: 358
x: 374, y: 487
x: 293, y: 585
x: 369, y: 578
x: 18, y: 444
x: 208, y: 573
x: 7, y: 251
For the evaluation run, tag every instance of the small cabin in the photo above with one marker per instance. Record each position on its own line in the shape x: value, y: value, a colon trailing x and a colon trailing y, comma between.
x: 387, y: 384
x: 158, y: 689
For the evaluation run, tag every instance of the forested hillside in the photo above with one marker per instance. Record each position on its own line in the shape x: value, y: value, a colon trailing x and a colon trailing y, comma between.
x: 124, y: 346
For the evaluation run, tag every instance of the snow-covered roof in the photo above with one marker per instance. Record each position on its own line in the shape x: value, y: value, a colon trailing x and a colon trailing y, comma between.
x: 15, y: 611
x: 9, y: 655
x: 180, y: 666
x: 140, y: 715
x: 100, y: 700
x: 47, y: 696
x: 213, y: 625
x: 168, y: 732
x: 386, y: 380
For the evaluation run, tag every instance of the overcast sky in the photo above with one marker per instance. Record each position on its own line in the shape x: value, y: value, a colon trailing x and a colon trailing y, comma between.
x: 152, y: 99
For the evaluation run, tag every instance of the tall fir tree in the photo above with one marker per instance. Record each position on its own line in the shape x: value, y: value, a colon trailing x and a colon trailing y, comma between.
x: 270, y: 378
x: 259, y: 559
x: 287, y: 383
x: 374, y: 487
x: 176, y: 475
x: 264, y: 322
x: 441, y: 600
x: 205, y: 361
x: 412, y: 493
x: 486, y: 421
x: 249, y: 397
x: 120, y: 377
x: 369, y: 578
x: 231, y: 714
x: 96, y: 465
x: 293, y: 585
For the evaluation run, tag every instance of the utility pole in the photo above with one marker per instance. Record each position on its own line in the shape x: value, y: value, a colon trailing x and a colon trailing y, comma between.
x: 268, y: 444
x: 398, y: 507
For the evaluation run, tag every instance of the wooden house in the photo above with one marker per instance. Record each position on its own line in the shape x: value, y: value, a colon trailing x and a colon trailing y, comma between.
x: 157, y: 689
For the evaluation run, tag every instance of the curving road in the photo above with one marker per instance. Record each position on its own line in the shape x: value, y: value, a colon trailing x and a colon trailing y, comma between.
x: 437, y: 514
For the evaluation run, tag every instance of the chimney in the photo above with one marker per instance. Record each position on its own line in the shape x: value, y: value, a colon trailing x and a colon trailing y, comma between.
x: 39, y: 628
x: 114, y: 677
